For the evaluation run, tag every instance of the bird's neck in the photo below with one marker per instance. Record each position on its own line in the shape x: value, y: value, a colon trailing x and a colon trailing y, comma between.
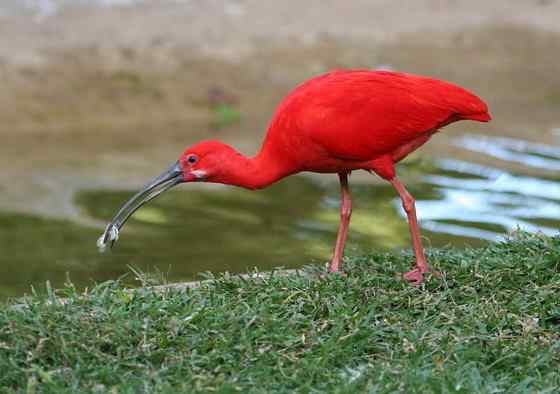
x: 257, y: 172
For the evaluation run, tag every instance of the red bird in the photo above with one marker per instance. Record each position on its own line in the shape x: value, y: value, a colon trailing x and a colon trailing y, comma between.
x: 335, y: 123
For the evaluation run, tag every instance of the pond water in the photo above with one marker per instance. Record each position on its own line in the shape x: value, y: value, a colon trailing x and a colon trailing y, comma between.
x: 293, y: 223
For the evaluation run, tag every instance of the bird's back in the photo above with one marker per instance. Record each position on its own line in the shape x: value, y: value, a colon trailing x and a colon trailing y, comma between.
x: 359, y: 115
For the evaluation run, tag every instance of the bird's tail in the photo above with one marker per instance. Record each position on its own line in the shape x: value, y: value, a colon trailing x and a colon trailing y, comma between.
x: 480, y: 117
x: 471, y: 107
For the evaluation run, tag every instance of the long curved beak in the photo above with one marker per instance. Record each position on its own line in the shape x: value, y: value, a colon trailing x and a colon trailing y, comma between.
x: 172, y: 177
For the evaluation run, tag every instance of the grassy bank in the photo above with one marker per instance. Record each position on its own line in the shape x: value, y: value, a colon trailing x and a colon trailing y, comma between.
x: 491, y: 325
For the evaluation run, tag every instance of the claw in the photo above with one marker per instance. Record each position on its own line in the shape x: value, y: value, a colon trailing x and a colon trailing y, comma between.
x: 416, y: 277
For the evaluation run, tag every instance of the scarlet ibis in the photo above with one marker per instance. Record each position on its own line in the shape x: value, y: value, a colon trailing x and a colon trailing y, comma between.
x: 338, y: 122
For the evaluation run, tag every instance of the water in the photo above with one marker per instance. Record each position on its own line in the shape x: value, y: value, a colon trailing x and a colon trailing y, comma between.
x: 192, y: 229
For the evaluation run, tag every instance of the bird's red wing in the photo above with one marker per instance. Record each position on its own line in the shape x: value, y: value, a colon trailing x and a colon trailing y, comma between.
x: 361, y: 115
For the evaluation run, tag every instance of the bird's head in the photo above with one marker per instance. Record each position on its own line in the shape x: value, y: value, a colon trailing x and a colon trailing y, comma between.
x: 207, y: 161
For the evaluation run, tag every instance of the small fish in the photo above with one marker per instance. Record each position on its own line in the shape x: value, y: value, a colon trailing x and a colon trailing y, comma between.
x: 111, y: 235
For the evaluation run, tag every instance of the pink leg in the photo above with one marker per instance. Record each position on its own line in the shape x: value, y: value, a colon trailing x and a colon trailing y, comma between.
x: 417, y: 275
x: 345, y: 214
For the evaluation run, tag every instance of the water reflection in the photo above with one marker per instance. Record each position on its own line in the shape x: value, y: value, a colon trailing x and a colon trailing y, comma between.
x: 290, y: 224
x: 510, y: 149
x: 490, y: 197
x: 483, y: 202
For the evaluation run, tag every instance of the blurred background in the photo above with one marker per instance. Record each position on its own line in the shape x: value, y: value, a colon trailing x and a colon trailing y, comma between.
x: 99, y: 96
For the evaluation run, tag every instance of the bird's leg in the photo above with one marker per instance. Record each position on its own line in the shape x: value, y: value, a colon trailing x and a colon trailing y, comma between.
x: 345, y: 214
x: 417, y: 275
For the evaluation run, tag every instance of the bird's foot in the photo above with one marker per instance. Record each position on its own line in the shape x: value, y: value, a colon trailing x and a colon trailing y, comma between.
x: 416, y: 277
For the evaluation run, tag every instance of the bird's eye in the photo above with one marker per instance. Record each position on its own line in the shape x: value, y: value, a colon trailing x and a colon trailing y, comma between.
x: 192, y: 159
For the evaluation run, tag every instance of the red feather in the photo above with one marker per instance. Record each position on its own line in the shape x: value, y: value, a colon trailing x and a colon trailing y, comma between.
x: 358, y: 116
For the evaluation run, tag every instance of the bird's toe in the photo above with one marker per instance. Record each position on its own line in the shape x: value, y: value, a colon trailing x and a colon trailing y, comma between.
x: 415, y: 277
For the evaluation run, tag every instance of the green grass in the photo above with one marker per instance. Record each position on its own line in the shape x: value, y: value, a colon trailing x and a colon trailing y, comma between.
x: 491, y: 325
